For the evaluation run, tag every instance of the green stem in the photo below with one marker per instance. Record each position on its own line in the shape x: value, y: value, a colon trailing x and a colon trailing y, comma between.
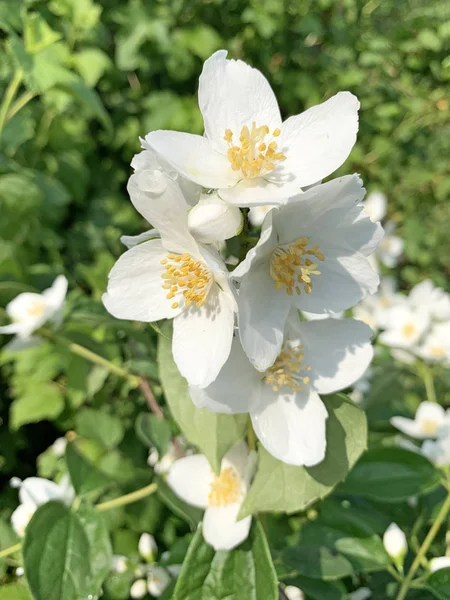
x: 19, y: 104
x: 394, y: 573
x: 8, y: 97
x: 120, y: 501
x: 93, y: 357
x: 128, y: 498
x: 251, y: 437
x: 423, y: 549
x: 10, y: 550
x: 427, y: 376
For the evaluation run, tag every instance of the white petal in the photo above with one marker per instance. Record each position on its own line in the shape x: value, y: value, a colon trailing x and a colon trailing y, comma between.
x: 318, y: 141
x: 37, y: 491
x: 258, y: 191
x: 237, y: 457
x: 375, y: 205
x: 409, y: 426
x: 262, y: 316
x: 190, y: 478
x: 213, y: 220
x: 234, y: 388
x: 21, y: 517
x: 56, y: 294
x: 194, y: 157
x: 220, y: 528
x: 130, y: 241
x: 439, y: 562
x: 18, y: 344
x: 232, y: 94
x: 267, y: 243
x: 135, y: 289
x: 202, y: 338
x: 291, y: 426
x: 11, y: 328
x: 166, y: 209
x: 430, y: 411
x: 338, y: 351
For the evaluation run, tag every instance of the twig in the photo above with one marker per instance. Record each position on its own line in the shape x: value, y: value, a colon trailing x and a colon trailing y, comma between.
x: 153, y: 405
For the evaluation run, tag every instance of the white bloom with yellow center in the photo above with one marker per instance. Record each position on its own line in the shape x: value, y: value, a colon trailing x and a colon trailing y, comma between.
x: 375, y: 310
x: 176, y: 277
x: 288, y: 415
x: 312, y: 256
x: 157, y: 581
x: 430, y: 421
x: 435, y: 300
x: 30, y: 311
x: 193, y: 480
x: 35, y: 491
x: 247, y: 152
x: 436, y: 346
x: 405, y: 327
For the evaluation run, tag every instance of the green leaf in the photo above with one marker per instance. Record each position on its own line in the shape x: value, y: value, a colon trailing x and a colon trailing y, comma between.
x: 190, y: 514
x: 90, y: 100
x: 100, y: 554
x: 243, y: 573
x: 56, y: 554
x: 14, y: 591
x: 153, y: 432
x: 101, y: 426
x: 85, y: 477
x: 439, y: 584
x: 392, y: 475
x: 213, y: 433
x: 37, y: 33
x: 40, y: 401
x: 281, y: 487
x: 91, y: 63
x: 319, y: 590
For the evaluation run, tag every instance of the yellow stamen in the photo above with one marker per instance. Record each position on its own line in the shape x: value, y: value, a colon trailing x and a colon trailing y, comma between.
x: 291, y: 269
x: 429, y: 427
x: 225, y: 489
x: 183, y: 274
x: 37, y: 308
x: 254, y: 156
x: 437, y: 351
x: 285, y: 371
x: 408, y: 330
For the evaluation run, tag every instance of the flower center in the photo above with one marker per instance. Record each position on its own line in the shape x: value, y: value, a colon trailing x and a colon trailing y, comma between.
x: 437, y: 351
x: 254, y: 156
x: 225, y: 489
x: 408, y: 330
x: 291, y: 268
x: 286, y: 369
x: 37, y: 308
x: 429, y: 427
x: 183, y: 274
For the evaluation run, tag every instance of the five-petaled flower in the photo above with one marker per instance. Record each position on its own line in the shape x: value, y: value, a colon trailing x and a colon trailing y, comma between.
x: 248, y: 153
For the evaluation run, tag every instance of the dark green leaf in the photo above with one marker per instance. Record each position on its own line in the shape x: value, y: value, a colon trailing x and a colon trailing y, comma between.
x: 439, y: 584
x: 319, y: 590
x: 101, y: 426
x: 94, y: 526
x: 153, y: 432
x: 39, y: 402
x: 190, y: 514
x: 85, y: 477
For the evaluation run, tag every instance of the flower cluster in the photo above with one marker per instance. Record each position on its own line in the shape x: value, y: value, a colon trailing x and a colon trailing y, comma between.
x: 239, y: 337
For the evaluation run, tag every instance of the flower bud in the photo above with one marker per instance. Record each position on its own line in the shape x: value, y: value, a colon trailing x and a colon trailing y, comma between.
x: 440, y: 562
x: 362, y: 594
x: 213, y: 220
x: 293, y: 593
x: 119, y: 563
x: 147, y: 547
x: 138, y: 589
x: 157, y: 581
x: 395, y: 544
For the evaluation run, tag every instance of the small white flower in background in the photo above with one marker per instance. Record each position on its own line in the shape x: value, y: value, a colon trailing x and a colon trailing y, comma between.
x: 362, y: 594
x: 35, y: 491
x: 19, y: 572
x: 440, y: 562
x: 147, y: 547
x: 30, y: 311
x: 288, y: 415
x: 430, y: 421
x: 157, y: 581
x: 312, y: 255
x: 437, y: 451
x: 138, y: 589
x: 436, y: 345
x: 375, y: 309
x: 362, y: 385
x: 293, y: 593
x: 247, y: 152
x: 162, y: 465
x: 376, y: 205
x: 391, y: 246
x: 193, y: 480
x: 175, y: 277
x: 405, y: 327
x: 395, y: 544
x: 435, y: 300
x: 119, y: 563
x: 257, y: 214
x: 59, y: 447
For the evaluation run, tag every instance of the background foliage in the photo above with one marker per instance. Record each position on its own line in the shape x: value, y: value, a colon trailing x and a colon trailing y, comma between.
x: 87, y: 78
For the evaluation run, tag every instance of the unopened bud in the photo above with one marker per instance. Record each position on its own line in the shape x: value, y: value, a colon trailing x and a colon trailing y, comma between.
x: 138, y: 589
x: 395, y: 544
x: 147, y: 547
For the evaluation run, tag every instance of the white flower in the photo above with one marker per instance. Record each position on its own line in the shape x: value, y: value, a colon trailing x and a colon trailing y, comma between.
x: 312, y: 255
x: 362, y: 594
x: 175, y: 277
x: 287, y: 413
x: 30, y: 311
x: 59, y: 446
x: 293, y: 593
x: 430, y: 421
x: 405, y: 327
x: 437, y: 452
x: 375, y: 309
x: 391, y: 246
x: 147, y: 547
x: 157, y: 581
x: 35, y: 491
x: 247, y: 152
x: 119, y: 563
x: 193, y: 480
x: 375, y: 204
x: 395, y: 543
x: 138, y: 589
x: 162, y: 465
x: 433, y: 299
x: 257, y: 214
x: 440, y: 562
x: 436, y: 346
